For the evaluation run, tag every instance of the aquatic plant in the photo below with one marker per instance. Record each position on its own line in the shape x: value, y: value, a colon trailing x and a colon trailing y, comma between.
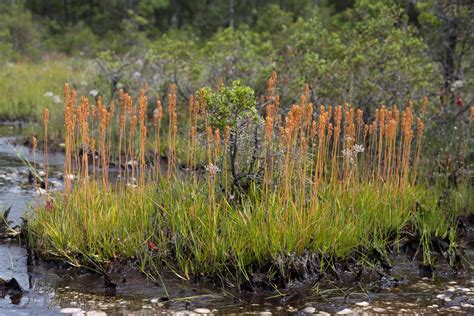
x: 313, y: 179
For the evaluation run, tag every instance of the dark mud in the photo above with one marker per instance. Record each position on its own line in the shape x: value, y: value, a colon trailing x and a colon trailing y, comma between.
x: 380, y: 285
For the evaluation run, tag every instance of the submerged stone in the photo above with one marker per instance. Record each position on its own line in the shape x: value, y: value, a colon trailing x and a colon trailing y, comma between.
x: 309, y: 310
x: 70, y: 310
x: 345, y: 311
x: 202, y: 311
x: 96, y: 313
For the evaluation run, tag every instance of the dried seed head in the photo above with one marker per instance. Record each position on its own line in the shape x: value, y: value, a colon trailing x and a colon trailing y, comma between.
x: 359, y: 114
x: 424, y: 105
x: 66, y: 93
x: 227, y: 135
x: 112, y: 107
x: 217, y: 141
x: 34, y: 143
x: 46, y: 116
x: 209, y: 134
x: 92, y: 143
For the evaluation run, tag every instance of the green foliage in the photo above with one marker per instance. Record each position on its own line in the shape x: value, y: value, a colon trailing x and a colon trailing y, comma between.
x: 233, y: 54
x: 231, y: 240
x: 230, y: 105
x: 373, y: 58
x: 19, y: 37
x: 29, y: 88
x: 74, y: 40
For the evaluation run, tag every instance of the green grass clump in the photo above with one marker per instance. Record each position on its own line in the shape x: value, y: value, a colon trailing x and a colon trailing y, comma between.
x: 25, y: 88
x: 100, y: 226
x: 318, y: 182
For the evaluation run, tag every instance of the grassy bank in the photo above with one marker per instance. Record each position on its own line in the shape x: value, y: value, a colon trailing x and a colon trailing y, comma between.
x: 234, y: 241
x: 268, y: 189
x: 28, y: 88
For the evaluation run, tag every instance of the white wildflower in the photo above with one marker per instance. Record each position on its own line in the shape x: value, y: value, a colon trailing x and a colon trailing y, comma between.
x: 40, y: 192
x: 457, y: 84
x: 212, y: 168
x: 136, y: 75
x: 49, y: 94
x: 351, y: 153
x: 132, y: 163
x: 94, y: 92
x: 357, y: 148
x: 139, y: 63
x: 56, y: 99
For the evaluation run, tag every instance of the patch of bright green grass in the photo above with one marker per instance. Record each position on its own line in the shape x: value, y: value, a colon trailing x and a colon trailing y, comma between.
x: 196, y: 236
x: 28, y: 88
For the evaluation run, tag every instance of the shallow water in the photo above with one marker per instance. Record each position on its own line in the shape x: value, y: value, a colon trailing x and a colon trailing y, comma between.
x: 50, y: 290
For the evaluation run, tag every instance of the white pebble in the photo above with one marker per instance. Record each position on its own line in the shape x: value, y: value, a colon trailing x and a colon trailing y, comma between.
x: 309, y: 310
x: 379, y: 310
x: 363, y: 304
x: 202, y: 311
x: 345, y: 311
x: 70, y: 310
x: 96, y: 313
x: 440, y: 296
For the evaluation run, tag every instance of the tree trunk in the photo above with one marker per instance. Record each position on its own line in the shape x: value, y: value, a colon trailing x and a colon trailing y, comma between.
x: 231, y: 14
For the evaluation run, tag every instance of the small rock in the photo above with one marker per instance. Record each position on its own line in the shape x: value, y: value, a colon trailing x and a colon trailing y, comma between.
x: 345, y: 311
x: 202, y: 311
x: 70, y: 310
x: 96, y: 313
x: 440, y: 296
x: 363, y: 304
x: 266, y: 313
x: 465, y: 289
x: 322, y: 313
x: 379, y: 310
x: 451, y: 289
x: 309, y: 310
x: 447, y: 299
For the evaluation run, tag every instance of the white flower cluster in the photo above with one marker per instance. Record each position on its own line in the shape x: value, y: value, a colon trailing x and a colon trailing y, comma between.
x: 56, y: 98
x: 352, y: 153
x: 212, y: 168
